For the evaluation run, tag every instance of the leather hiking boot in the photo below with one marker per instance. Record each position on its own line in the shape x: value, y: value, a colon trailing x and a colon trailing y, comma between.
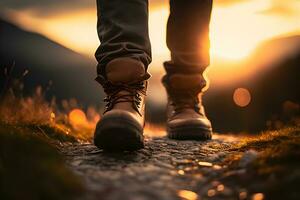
x: 186, y: 118
x: 121, y: 127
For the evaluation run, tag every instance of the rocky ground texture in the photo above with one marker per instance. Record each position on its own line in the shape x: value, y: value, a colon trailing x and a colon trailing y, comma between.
x: 48, y: 162
x: 165, y: 169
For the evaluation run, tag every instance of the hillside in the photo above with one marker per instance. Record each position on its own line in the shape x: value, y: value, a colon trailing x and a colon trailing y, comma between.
x: 71, y: 75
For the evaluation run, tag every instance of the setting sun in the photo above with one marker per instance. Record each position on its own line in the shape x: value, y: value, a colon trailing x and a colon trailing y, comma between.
x: 236, y: 29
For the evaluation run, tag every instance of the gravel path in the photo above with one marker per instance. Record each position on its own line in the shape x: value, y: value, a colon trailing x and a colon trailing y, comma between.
x: 164, y: 169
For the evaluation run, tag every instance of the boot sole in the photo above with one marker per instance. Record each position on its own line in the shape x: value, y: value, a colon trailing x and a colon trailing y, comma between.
x: 118, y: 134
x: 189, y: 133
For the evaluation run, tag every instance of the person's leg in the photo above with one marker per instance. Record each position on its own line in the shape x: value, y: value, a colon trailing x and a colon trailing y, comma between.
x: 123, y: 31
x: 188, y: 41
x: 123, y: 56
x: 188, y: 35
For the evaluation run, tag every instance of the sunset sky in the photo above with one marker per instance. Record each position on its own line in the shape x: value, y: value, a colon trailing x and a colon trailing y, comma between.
x: 237, y: 26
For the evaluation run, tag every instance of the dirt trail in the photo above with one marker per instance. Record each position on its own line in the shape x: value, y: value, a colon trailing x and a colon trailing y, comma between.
x: 164, y: 169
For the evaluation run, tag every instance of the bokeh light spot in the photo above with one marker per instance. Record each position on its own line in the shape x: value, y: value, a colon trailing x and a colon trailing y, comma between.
x: 258, y: 196
x: 77, y: 118
x: 187, y: 195
x: 241, y: 97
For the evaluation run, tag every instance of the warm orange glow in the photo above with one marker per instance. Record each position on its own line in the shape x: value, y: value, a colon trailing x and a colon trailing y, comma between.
x: 211, y: 192
x: 241, y: 97
x: 157, y: 30
x: 154, y: 130
x: 236, y: 30
x: 187, y: 195
x: 258, y: 196
x: 205, y: 164
x: 79, y: 121
x: 74, y: 30
x: 77, y: 118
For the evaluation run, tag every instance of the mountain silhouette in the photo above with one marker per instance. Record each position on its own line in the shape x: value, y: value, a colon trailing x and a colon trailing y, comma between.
x: 70, y: 74
x: 274, y: 84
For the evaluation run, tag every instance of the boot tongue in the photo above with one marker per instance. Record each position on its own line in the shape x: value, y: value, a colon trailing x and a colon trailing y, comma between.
x: 124, y: 70
x: 187, y: 81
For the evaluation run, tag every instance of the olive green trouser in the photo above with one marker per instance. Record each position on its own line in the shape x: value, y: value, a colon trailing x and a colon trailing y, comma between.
x: 123, y: 32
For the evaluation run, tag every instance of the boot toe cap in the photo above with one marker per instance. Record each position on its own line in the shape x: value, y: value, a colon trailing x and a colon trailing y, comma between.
x: 119, y: 130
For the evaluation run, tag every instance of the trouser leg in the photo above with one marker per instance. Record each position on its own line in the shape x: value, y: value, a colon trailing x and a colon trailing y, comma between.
x: 123, y: 31
x: 188, y: 41
x: 188, y: 36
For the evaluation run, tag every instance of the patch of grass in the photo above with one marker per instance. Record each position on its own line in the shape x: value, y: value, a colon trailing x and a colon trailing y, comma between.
x: 31, y: 168
x: 279, y: 164
x: 51, y: 131
x: 35, y: 112
x: 269, y: 139
x: 284, y: 152
x: 275, y: 171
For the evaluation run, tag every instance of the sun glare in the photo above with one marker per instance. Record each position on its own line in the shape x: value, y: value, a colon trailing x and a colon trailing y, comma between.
x: 74, y: 30
x: 236, y: 29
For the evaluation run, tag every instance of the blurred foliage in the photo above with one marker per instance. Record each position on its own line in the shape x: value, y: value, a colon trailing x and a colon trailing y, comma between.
x: 31, y: 132
x: 36, y: 112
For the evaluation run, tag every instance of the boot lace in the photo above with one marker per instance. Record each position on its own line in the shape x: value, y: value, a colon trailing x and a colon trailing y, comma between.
x: 133, y: 93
